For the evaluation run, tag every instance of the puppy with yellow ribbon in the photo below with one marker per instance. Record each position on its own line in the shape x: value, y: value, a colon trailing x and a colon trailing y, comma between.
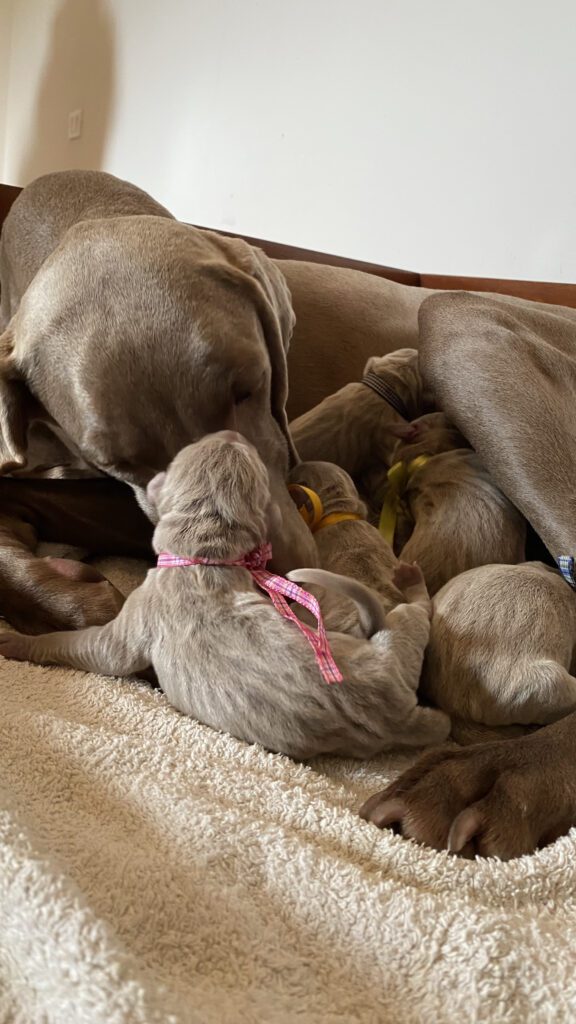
x: 347, y: 544
x: 359, y: 568
x: 441, y: 508
x: 395, y: 506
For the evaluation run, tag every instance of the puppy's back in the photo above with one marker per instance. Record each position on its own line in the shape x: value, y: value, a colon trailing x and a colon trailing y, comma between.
x: 489, y: 623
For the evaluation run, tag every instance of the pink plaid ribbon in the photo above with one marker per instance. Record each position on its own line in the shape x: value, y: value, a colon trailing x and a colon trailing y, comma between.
x: 278, y: 589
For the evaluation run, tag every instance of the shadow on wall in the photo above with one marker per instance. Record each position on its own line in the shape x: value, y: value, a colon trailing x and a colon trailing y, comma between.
x: 79, y: 73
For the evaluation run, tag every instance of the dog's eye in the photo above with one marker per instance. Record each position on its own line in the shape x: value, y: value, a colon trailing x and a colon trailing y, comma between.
x: 242, y: 396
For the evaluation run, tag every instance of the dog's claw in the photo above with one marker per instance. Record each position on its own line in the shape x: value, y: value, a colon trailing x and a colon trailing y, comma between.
x: 383, y: 814
x: 463, y: 829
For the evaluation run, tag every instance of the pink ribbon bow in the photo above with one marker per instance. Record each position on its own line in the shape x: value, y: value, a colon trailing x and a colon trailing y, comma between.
x: 278, y: 589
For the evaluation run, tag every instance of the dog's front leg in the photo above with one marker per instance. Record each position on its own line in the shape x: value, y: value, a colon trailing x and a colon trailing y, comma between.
x: 38, y: 595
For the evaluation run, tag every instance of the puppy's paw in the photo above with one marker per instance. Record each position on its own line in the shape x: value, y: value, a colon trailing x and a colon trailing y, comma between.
x: 408, y: 432
x: 407, y: 576
x: 14, y: 646
x: 411, y: 583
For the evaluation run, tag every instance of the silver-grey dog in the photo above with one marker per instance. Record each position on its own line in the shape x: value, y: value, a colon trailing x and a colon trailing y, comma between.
x: 129, y: 335
x: 220, y: 649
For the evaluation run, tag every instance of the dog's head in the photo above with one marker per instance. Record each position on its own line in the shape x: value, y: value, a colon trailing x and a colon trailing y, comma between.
x: 140, y: 335
x: 333, y: 485
x: 400, y: 370
x: 213, y: 501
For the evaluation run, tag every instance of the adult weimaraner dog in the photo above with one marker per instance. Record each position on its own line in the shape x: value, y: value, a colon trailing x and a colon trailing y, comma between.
x: 127, y: 335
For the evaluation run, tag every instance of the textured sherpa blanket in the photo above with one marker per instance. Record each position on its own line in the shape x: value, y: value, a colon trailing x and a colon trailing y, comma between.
x: 155, y: 871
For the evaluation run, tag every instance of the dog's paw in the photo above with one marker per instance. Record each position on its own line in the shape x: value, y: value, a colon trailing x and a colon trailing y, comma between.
x: 500, y: 799
x: 407, y: 576
x: 14, y: 646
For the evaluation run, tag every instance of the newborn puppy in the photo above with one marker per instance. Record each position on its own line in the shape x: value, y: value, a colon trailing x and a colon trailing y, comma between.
x: 347, y: 544
x: 223, y: 653
x: 460, y: 518
x: 427, y: 435
x: 502, y: 646
x: 352, y: 427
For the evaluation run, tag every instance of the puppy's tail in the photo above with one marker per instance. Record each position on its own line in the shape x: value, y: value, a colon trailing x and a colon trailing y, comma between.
x: 366, y: 600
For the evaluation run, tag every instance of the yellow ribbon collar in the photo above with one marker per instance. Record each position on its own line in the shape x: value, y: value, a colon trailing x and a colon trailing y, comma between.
x: 399, y: 476
x: 309, y: 505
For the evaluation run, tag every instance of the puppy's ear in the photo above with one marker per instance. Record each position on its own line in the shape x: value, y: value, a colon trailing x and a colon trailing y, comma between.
x: 154, y: 487
x: 15, y: 407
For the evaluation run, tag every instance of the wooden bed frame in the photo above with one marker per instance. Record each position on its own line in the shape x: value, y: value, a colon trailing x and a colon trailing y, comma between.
x: 537, y: 291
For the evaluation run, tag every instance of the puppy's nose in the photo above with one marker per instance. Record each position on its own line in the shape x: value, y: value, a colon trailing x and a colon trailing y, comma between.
x: 232, y: 436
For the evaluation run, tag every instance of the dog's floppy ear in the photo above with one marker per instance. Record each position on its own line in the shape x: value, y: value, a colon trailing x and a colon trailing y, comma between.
x: 278, y: 326
x: 277, y: 292
x: 15, y: 401
x: 274, y: 304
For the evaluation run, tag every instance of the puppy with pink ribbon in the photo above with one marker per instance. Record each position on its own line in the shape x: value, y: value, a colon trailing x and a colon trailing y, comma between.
x: 219, y: 630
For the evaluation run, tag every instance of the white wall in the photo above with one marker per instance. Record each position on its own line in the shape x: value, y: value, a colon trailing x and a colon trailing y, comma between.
x: 433, y: 136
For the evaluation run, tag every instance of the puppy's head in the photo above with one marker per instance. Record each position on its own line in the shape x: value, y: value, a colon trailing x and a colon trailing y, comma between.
x: 332, y: 484
x: 213, y: 501
x: 401, y: 371
x: 427, y: 435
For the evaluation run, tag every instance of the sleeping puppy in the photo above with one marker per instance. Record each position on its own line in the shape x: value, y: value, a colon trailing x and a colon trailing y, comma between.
x: 502, y: 648
x: 451, y: 516
x: 221, y: 650
x: 352, y: 427
x: 427, y: 435
x: 346, y: 543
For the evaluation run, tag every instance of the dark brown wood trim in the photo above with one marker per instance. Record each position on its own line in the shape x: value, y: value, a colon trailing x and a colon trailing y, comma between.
x: 8, y: 194
x: 537, y: 291
x: 278, y: 251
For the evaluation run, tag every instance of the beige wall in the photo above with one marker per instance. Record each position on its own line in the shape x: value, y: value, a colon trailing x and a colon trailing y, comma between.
x: 5, y: 41
x: 62, y: 58
x: 434, y: 136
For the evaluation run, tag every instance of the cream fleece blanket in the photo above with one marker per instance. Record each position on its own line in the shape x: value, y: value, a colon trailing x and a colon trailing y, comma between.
x: 155, y: 871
